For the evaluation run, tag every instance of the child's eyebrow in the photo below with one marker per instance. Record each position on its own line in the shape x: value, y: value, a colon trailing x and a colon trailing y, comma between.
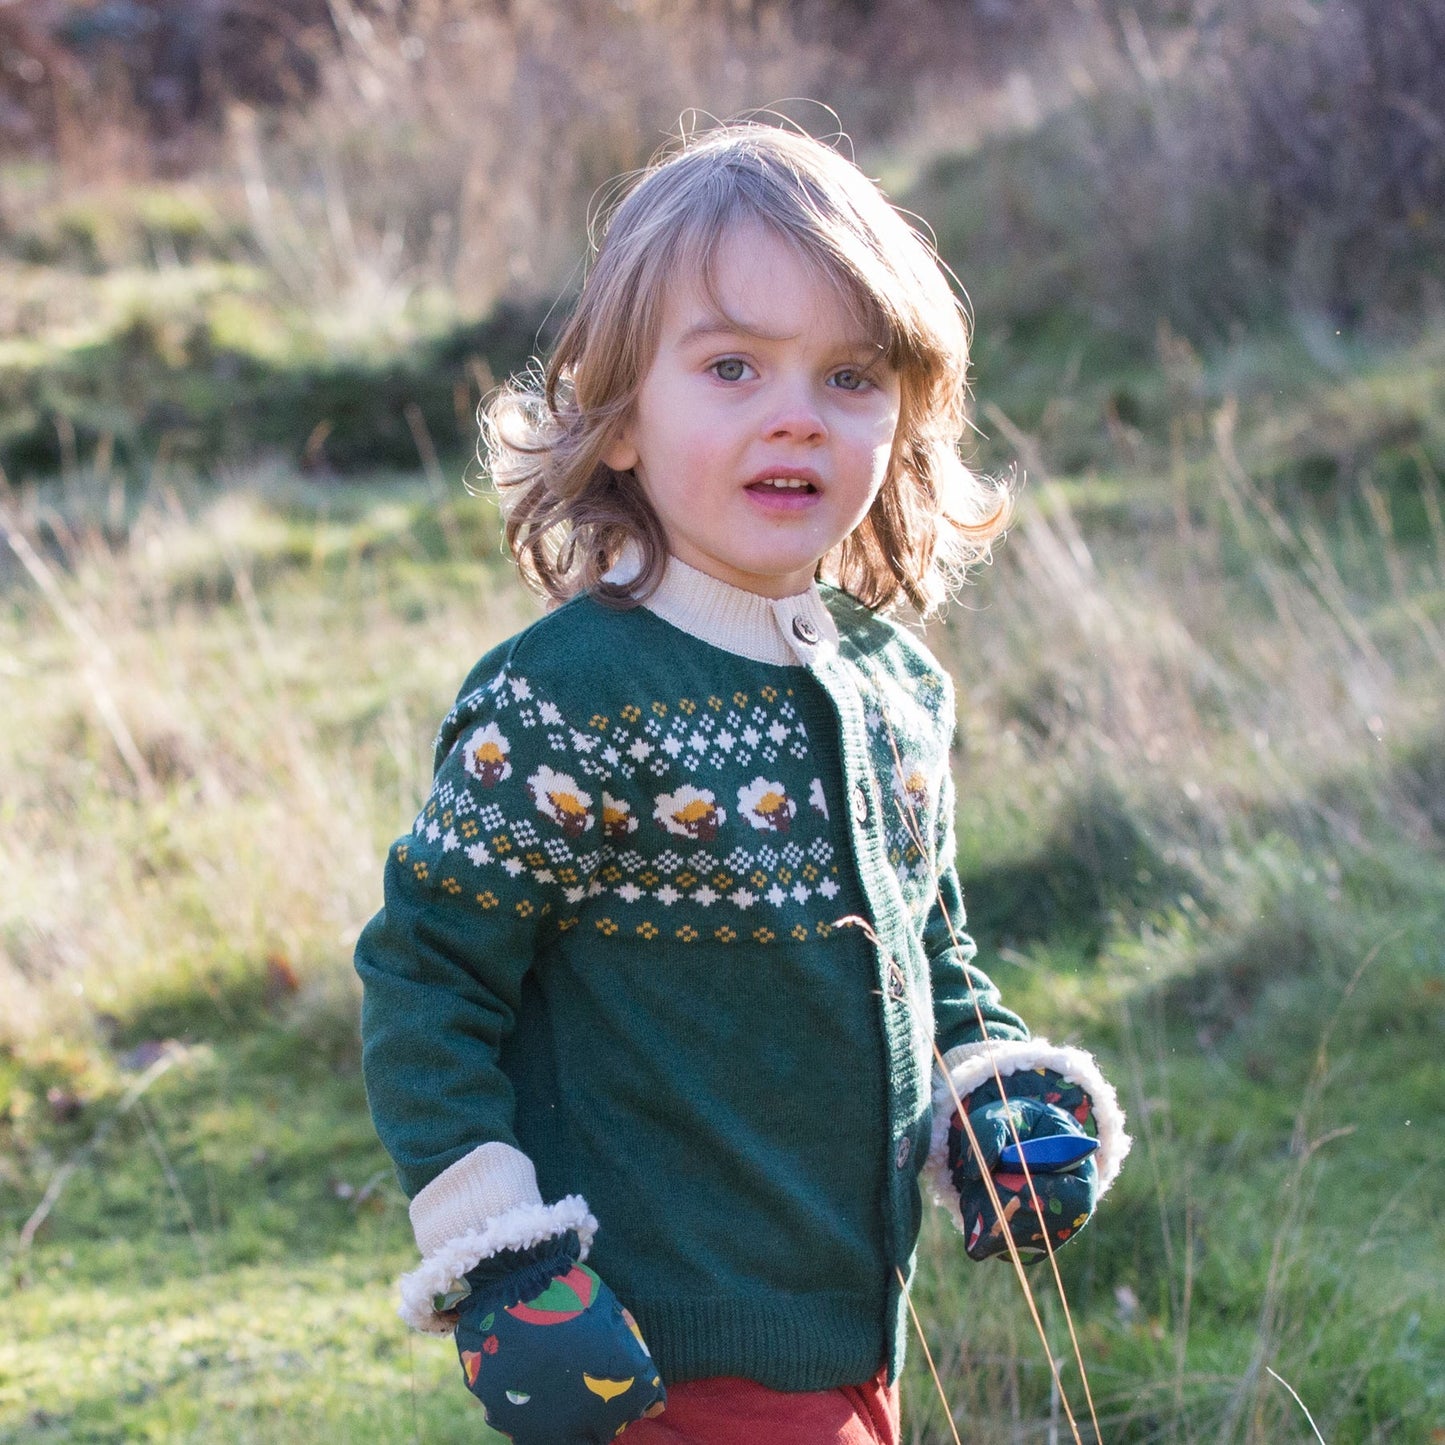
x: 727, y: 326
x: 711, y: 326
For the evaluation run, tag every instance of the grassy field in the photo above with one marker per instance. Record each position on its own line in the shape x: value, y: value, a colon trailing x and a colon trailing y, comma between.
x: 1201, y: 825
x: 1200, y: 756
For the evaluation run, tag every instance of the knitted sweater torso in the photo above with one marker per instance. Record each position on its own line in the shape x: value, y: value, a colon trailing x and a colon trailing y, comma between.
x: 681, y: 925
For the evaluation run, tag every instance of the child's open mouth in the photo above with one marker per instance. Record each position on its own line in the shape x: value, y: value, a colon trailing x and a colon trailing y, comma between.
x: 782, y: 484
x: 783, y: 493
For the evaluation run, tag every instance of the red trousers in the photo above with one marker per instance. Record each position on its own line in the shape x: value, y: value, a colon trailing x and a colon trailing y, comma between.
x: 726, y: 1411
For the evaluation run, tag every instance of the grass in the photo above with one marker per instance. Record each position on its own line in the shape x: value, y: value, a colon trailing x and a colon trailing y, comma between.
x: 205, y: 364
x: 221, y: 1268
x: 1199, y: 748
x: 1199, y: 762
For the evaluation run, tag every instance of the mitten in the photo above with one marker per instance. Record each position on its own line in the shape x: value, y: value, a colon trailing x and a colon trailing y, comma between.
x: 549, y: 1351
x: 1047, y: 1203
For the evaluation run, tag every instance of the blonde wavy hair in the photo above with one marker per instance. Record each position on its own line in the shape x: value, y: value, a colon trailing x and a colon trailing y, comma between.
x: 568, y: 515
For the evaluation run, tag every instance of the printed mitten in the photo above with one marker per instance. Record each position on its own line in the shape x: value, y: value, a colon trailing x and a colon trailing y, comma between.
x: 549, y: 1351
x: 1036, y: 1103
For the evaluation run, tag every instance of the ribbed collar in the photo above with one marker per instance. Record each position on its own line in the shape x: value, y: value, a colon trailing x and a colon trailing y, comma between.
x: 788, y: 631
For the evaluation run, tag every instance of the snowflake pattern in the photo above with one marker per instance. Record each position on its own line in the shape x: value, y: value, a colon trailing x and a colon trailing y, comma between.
x: 642, y: 808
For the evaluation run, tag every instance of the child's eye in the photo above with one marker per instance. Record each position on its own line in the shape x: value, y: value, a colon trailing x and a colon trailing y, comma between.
x: 730, y: 368
x: 851, y: 378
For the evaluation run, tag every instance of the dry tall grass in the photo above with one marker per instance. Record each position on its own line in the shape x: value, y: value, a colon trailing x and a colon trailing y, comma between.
x: 218, y: 714
x: 1242, y: 660
x: 221, y: 705
x: 459, y: 146
x: 219, y: 702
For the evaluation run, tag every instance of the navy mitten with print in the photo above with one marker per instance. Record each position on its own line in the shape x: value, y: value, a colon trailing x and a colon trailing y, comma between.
x: 1036, y: 1103
x: 549, y: 1351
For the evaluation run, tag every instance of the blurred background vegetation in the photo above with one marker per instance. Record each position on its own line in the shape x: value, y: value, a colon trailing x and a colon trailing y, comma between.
x: 258, y: 264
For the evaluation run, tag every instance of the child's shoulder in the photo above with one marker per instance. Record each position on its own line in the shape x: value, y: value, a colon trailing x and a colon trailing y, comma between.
x: 884, y: 642
x: 564, y: 657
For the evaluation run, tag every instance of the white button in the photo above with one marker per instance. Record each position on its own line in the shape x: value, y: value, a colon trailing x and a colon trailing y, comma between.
x: 804, y: 631
x: 860, y: 803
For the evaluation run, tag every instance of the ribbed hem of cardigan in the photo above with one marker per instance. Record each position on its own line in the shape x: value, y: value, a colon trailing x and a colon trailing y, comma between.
x: 808, y: 1342
x: 970, y: 1065
x: 788, y: 631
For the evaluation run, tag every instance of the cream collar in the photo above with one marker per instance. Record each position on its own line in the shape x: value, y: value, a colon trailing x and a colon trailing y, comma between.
x: 789, y: 631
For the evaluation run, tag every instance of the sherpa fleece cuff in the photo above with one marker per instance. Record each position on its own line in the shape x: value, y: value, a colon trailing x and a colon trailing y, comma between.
x: 483, y: 1204
x: 970, y: 1065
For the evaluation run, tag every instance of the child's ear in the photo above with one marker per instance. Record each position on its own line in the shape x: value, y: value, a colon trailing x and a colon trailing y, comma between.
x: 621, y: 455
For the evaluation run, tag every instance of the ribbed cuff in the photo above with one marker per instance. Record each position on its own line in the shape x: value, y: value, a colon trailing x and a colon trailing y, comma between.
x: 488, y: 1182
x: 485, y: 1203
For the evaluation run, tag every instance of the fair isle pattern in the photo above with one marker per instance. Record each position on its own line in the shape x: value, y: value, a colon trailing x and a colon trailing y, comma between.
x: 678, y: 818
x: 609, y: 774
x: 908, y: 738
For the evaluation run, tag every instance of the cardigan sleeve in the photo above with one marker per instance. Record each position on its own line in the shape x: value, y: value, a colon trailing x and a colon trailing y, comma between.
x: 967, y: 1007
x: 978, y: 1038
x: 501, y: 853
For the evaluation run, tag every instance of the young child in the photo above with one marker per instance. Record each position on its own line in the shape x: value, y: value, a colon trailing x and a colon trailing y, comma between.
x: 671, y: 975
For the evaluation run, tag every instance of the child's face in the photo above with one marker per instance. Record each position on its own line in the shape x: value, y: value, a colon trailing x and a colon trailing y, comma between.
x: 781, y: 383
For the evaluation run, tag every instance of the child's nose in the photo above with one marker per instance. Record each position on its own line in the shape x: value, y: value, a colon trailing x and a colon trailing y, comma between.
x: 796, y: 416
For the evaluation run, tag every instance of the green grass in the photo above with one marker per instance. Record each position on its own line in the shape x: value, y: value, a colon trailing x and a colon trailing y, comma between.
x: 222, y: 1268
x: 1151, y: 875
x: 1202, y: 796
x: 1200, y: 828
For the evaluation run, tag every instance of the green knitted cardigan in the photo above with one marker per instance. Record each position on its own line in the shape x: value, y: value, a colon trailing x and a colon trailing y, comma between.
x: 669, y: 946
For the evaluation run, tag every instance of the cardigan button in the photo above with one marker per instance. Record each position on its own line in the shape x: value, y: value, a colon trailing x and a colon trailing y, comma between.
x: 860, y: 803
x: 897, y: 983
x: 905, y: 1149
x: 804, y: 631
